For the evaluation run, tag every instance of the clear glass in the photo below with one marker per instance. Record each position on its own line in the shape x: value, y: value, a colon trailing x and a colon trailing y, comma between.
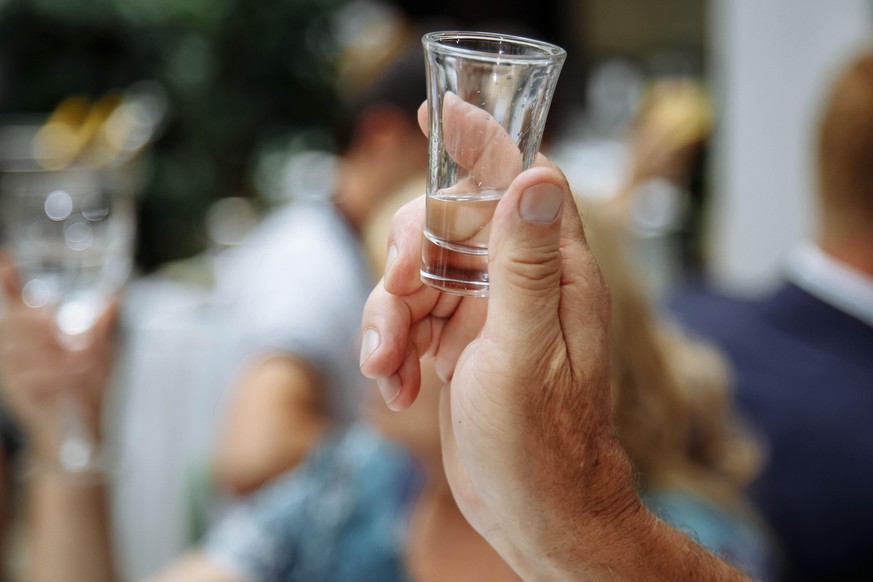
x: 70, y: 234
x: 488, y: 97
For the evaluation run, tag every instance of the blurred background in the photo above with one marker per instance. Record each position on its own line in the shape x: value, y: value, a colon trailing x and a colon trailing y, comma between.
x: 243, y: 85
x: 236, y: 106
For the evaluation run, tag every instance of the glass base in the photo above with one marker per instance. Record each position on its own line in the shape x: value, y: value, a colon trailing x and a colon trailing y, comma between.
x: 456, y: 287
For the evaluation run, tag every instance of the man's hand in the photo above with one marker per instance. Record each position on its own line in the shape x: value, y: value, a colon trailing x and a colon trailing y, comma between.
x: 526, y: 413
x: 526, y: 370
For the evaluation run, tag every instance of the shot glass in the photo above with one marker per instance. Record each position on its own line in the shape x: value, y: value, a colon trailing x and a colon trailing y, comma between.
x: 488, y: 97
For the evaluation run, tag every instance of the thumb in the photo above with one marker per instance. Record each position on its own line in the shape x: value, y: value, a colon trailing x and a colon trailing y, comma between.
x: 525, y: 257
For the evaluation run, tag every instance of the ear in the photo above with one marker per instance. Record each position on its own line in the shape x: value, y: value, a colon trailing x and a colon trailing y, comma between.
x: 9, y: 282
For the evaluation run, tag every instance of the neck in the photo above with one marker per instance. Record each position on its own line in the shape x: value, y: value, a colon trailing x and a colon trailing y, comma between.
x: 437, y: 490
x: 443, y: 546
x: 853, y: 248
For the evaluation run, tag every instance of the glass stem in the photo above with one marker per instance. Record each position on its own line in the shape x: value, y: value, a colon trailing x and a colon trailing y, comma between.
x: 76, y: 451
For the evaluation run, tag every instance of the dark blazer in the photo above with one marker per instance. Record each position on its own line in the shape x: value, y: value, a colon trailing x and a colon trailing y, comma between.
x: 804, y: 381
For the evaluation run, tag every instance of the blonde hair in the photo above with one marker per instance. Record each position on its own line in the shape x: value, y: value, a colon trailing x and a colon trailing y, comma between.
x: 672, y: 403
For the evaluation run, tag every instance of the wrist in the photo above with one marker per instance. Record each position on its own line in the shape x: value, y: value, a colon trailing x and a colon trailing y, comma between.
x: 606, y: 547
x: 74, y: 455
x: 588, y: 525
x: 66, y: 434
x: 631, y: 545
x: 44, y: 470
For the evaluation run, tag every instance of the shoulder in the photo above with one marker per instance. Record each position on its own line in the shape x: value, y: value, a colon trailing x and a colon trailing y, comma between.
x: 303, y: 264
x: 299, y: 235
x: 349, y: 463
x: 709, y: 312
x: 306, y: 221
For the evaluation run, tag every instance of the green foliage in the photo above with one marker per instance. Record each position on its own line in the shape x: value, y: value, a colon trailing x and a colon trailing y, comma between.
x: 238, y: 74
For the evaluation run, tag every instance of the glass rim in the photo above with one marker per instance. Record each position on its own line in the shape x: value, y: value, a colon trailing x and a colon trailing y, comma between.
x: 548, y: 52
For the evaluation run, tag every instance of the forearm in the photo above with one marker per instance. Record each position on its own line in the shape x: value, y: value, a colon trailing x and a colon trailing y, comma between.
x: 646, y: 548
x: 69, y: 528
x: 604, y: 531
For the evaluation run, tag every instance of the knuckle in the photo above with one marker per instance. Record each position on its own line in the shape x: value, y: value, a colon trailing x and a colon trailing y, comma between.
x: 534, y: 270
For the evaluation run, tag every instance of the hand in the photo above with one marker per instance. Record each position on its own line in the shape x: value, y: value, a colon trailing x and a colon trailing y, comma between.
x: 528, y: 444
x: 36, y: 366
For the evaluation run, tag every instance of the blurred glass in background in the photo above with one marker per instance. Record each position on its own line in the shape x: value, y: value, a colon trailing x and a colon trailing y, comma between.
x: 238, y: 79
x: 246, y: 85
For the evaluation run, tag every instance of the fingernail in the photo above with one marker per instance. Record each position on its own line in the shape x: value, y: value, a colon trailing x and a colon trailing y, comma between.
x: 541, y: 203
x: 389, y: 387
x: 389, y: 260
x: 369, y: 343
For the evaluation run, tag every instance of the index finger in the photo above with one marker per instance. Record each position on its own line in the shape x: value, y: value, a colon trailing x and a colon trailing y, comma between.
x: 477, y: 142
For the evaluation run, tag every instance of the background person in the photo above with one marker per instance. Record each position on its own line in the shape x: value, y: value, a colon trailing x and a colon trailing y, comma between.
x: 360, y: 507
x: 299, y: 278
x: 802, y: 355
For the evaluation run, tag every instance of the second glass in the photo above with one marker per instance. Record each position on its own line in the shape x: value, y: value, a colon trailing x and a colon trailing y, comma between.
x: 70, y: 234
x: 488, y: 98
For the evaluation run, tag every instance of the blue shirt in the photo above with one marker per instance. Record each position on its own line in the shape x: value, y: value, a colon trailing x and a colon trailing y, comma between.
x: 340, y: 515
